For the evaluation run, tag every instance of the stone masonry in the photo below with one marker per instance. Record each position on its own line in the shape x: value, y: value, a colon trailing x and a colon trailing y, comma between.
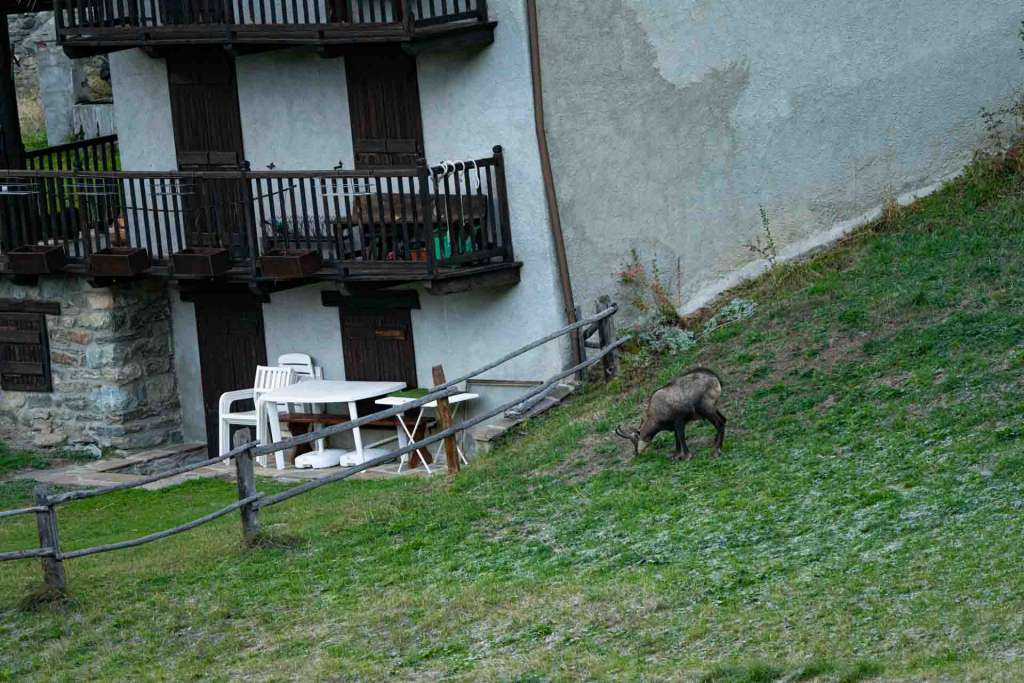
x: 111, y: 356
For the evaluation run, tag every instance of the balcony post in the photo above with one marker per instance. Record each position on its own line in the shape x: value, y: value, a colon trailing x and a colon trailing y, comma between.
x: 427, y: 214
x: 503, y: 212
x: 12, y: 152
x: 481, y: 8
x: 404, y: 14
x: 58, y: 17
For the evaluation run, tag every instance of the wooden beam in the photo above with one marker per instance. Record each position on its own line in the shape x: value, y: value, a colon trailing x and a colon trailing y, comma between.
x: 26, y: 306
x: 374, y: 301
x: 12, y: 151
x: 506, y: 277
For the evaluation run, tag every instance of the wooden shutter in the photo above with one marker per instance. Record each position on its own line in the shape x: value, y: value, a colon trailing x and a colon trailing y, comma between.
x: 24, y: 353
x: 204, y: 109
x: 384, y: 105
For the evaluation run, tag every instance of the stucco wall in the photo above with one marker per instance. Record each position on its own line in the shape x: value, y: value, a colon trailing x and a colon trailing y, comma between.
x: 294, y: 110
x: 472, y: 101
x: 142, y: 107
x: 670, y: 121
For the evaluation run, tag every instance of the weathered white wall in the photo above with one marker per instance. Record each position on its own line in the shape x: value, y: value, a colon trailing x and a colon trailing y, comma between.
x: 671, y: 120
x: 472, y: 101
x: 142, y: 107
x: 186, y: 368
x: 295, y: 321
x: 294, y: 109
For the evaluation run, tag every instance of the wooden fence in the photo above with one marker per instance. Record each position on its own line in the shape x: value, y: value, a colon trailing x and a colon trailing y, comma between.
x: 250, y: 501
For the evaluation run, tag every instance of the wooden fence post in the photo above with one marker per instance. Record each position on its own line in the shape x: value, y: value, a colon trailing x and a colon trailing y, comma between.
x: 581, y: 346
x: 606, y: 336
x: 444, y: 420
x: 46, y: 522
x: 246, y: 476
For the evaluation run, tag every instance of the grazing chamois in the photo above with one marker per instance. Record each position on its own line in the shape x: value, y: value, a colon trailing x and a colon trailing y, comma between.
x: 691, y: 396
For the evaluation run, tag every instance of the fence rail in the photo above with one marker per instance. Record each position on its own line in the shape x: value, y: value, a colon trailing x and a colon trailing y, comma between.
x: 421, y: 217
x: 250, y: 501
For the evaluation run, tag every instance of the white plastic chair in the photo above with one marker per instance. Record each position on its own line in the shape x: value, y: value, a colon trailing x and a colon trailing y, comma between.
x: 302, y: 365
x: 267, y: 379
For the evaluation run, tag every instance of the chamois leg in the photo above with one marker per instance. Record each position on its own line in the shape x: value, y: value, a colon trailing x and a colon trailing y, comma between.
x: 680, y: 430
x: 715, y: 417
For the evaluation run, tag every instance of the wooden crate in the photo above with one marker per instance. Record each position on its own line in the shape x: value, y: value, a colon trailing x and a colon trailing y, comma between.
x: 119, y: 262
x: 201, y: 261
x: 290, y: 263
x: 33, y: 259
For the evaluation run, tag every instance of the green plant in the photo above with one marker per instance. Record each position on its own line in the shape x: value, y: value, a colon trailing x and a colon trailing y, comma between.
x: 764, y: 245
x: 647, y: 294
x: 736, y: 310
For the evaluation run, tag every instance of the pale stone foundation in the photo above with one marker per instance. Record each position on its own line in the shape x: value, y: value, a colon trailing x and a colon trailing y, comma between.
x: 112, y: 365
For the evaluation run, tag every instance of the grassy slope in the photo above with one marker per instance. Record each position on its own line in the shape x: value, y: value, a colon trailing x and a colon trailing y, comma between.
x: 865, y: 520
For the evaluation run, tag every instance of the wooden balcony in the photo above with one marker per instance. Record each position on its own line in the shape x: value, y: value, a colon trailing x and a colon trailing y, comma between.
x: 448, y: 230
x: 95, y: 26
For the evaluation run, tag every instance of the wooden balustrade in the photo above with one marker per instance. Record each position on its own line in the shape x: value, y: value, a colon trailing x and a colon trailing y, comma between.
x: 89, y: 20
x: 414, y: 220
x: 95, y: 154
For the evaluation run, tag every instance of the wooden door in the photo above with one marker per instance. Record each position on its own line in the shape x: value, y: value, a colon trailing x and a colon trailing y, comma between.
x: 208, y: 137
x: 384, y: 105
x: 229, y: 327
x: 378, y: 345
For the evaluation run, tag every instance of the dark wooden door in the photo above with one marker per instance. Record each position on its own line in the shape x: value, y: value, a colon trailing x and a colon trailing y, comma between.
x: 208, y: 137
x: 384, y: 105
x: 378, y: 346
x: 231, y: 344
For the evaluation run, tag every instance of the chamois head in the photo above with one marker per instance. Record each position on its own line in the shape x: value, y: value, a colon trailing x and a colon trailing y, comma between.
x: 633, y: 436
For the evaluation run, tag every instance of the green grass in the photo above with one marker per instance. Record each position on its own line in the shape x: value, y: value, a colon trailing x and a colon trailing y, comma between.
x: 864, y: 522
x: 14, y: 459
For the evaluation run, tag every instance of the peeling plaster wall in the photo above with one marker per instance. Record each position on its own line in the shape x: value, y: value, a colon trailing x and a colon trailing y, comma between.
x: 671, y: 121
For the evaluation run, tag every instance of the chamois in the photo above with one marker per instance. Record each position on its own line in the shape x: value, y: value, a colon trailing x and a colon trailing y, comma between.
x: 691, y: 396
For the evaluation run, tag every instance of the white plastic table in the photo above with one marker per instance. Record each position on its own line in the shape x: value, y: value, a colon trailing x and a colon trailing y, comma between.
x: 318, y: 391
x: 453, y: 401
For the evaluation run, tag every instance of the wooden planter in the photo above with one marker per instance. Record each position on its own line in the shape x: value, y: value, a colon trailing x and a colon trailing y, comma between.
x: 290, y: 263
x: 201, y: 261
x: 36, y: 260
x: 118, y: 262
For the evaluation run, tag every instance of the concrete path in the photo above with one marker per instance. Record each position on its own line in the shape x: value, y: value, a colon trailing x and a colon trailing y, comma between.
x: 108, y: 471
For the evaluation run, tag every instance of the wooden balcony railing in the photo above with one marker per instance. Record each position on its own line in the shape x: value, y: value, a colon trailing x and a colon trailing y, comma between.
x: 409, y: 223
x: 94, y: 154
x: 139, y: 22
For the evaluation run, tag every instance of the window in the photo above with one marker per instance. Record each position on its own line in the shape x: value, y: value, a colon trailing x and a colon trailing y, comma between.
x: 24, y: 346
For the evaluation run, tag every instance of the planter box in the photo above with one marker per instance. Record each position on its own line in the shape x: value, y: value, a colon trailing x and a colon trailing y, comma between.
x: 290, y: 263
x: 118, y: 262
x: 201, y: 261
x: 36, y: 260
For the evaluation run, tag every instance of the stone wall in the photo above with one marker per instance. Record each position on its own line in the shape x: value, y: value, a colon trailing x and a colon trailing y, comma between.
x: 112, y: 364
